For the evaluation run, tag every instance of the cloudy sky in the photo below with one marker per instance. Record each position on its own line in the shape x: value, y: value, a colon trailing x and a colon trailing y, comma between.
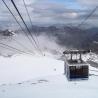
x: 50, y: 12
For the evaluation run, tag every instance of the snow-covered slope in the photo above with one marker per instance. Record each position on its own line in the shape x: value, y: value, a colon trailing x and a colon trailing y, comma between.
x: 26, y: 76
x: 23, y: 67
x: 55, y: 86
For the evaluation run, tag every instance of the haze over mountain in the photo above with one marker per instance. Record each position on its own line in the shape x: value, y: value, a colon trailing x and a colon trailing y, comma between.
x: 64, y: 36
x: 70, y: 36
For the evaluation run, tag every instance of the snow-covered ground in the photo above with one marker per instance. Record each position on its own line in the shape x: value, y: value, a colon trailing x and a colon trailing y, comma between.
x: 26, y: 76
x: 55, y: 86
x: 23, y: 67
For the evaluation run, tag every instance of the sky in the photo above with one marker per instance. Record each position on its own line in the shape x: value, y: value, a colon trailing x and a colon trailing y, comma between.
x: 49, y: 12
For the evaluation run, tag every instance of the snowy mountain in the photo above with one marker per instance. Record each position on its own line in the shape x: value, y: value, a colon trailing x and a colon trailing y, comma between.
x: 69, y: 36
x: 7, y: 33
x: 29, y: 74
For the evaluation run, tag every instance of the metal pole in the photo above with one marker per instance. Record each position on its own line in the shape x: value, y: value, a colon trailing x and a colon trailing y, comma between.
x: 71, y: 56
x: 80, y: 57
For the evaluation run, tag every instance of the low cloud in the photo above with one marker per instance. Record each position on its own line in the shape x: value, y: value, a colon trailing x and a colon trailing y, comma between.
x: 48, y: 12
x: 88, y: 3
x: 40, y: 11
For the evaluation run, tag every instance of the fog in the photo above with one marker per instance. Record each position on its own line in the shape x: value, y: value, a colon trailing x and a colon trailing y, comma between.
x: 46, y: 44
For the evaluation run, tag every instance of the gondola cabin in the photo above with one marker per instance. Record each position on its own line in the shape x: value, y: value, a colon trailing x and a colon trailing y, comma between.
x: 76, y: 68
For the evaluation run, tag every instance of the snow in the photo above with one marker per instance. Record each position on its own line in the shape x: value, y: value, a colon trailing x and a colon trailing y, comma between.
x: 93, y: 57
x: 26, y: 76
x: 23, y: 67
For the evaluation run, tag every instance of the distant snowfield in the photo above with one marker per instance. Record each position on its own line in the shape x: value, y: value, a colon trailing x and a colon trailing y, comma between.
x: 25, y: 76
